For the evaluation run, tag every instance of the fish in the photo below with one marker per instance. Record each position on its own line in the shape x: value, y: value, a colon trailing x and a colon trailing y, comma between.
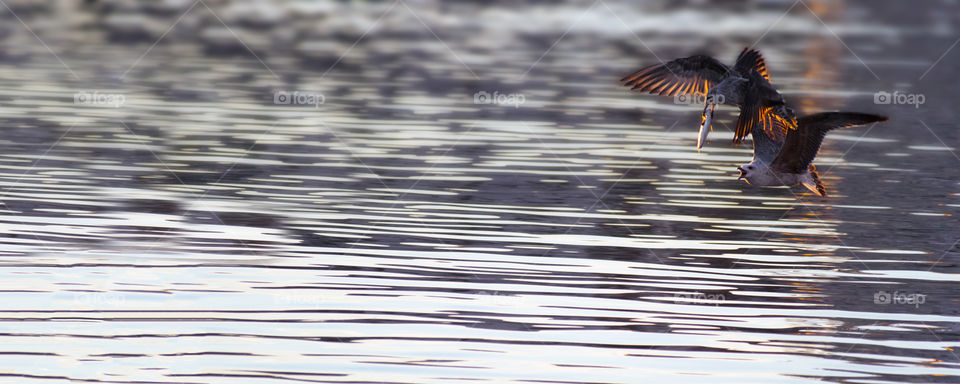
x: 705, y: 125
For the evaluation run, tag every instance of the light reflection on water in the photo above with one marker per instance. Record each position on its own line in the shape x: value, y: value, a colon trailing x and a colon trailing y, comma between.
x: 401, y: 233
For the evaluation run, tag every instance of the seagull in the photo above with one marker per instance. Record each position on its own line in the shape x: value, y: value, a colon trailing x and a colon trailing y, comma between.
x: 747, y: 85
x: 788, y: 162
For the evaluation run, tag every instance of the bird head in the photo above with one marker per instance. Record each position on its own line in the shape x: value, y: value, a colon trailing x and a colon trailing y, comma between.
x: 722, y: 92
x: 747, y: 172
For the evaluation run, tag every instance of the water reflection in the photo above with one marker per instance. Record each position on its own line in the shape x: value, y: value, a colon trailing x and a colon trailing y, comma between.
x: 400, y: 232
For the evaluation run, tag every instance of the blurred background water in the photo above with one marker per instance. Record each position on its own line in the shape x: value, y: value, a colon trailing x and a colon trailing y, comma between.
x: 439, y: 192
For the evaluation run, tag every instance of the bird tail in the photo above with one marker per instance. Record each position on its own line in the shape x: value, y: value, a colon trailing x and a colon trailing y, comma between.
x: 813, y: 183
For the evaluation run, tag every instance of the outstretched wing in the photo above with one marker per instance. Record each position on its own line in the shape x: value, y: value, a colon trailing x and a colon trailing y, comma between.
x: 803, y: 143
x: 751, y: 59
x: 688, y: 75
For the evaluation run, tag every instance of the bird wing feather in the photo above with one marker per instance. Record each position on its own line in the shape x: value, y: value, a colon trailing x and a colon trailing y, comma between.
x: 751, y: 59
x: 688, y: 75
x: 803, y: 143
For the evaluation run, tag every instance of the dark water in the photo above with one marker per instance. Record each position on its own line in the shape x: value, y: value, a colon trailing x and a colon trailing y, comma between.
x: 189, y: 230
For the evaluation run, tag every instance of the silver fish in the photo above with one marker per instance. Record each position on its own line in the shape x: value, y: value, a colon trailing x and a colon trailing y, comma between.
x: 705, y: 126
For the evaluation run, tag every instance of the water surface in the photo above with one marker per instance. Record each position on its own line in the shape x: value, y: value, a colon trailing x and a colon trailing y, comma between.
x: 400, y: 232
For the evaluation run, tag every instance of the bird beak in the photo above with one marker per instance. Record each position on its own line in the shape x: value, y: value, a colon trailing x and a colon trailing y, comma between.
x: 742, y: 173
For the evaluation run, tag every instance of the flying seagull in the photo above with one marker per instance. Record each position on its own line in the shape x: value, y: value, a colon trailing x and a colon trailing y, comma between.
x: 787, y: 162
x: 747, y: 85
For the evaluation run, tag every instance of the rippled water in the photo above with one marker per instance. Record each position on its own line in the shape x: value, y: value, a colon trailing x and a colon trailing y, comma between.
x: 399, y: 232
